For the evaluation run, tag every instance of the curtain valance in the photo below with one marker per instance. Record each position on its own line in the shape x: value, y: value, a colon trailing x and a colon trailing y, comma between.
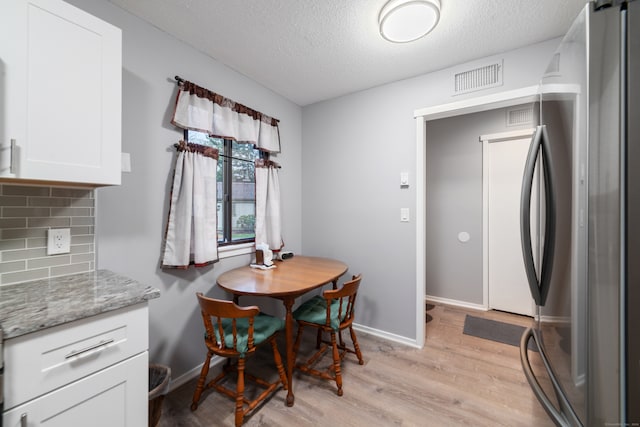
x: 200, y: 109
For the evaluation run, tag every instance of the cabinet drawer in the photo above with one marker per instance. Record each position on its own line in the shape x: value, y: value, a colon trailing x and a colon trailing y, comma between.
x: 42, y: 361
x: 115, y: 397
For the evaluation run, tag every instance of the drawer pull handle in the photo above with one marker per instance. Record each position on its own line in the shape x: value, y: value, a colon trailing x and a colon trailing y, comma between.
x: 91, y: 347
x: 23, y: 420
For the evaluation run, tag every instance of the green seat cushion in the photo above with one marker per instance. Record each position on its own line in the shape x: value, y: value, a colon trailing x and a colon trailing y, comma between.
x: 315, y: 311
x: 263, y: 327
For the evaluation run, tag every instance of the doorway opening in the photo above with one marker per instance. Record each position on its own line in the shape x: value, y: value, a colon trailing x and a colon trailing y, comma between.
x: 484, y: 103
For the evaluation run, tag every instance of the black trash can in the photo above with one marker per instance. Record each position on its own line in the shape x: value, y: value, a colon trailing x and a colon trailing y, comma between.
x: 159, y: 379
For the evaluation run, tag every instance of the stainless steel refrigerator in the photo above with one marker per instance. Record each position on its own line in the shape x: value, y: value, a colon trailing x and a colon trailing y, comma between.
x: 581, y: 242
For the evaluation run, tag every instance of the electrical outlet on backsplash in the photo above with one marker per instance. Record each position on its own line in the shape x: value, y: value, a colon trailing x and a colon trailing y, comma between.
x: 26, y: 215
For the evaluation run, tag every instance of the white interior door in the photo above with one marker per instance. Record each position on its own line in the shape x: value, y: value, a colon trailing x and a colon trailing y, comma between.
x: 504, y: 160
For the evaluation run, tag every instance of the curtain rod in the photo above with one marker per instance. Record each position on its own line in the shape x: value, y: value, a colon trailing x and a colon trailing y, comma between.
x: 179, y: 80
x: 178, y: 146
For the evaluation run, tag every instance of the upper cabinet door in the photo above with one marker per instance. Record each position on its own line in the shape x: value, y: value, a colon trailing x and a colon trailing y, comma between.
x: 60, y: 94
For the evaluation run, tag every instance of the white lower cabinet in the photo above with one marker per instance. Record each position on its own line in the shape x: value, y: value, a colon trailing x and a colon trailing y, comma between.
x: 116, y: 396
x: 90, y: 372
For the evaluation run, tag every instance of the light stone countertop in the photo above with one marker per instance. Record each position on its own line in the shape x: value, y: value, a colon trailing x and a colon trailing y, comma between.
x: 32, y: 306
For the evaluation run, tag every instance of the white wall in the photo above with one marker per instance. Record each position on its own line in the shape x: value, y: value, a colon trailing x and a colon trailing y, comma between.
x: 131, y: 218
x: 354, y: 148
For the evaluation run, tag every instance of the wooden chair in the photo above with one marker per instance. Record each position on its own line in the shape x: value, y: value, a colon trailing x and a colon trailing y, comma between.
x: 236, y: 333
x: 332, y: 312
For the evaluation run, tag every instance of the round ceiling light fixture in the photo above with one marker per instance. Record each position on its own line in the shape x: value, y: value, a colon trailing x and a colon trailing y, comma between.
x: 403, y: 21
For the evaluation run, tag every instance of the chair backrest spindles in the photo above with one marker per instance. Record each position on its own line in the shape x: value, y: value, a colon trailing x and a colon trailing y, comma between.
x: 220, y: 341
x: 218, y: 309
x: 348, y: 293
x: 250, y: 333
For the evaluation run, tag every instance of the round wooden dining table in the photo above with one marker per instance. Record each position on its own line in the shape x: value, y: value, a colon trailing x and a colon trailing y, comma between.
x: 290, y: 279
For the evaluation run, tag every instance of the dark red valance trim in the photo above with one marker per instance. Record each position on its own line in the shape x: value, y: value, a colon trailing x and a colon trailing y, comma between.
x: 197, y: 148
x: 263, y: 163
x: 201, y: 92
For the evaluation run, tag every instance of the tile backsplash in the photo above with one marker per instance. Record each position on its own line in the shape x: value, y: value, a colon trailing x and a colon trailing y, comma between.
x: 26, y: 213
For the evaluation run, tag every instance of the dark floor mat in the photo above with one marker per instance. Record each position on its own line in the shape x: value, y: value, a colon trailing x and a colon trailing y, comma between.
x: 493, y: 330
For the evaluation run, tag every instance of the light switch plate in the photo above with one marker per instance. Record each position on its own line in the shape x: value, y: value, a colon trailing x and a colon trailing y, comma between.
x: 404, y: 179
x: 404, y: 214
x: 126, y: 162
x: 58, y: 241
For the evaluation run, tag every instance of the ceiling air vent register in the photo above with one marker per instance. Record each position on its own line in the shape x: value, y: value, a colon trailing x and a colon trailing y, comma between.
x: 520, y: 116
x: 480, y: 78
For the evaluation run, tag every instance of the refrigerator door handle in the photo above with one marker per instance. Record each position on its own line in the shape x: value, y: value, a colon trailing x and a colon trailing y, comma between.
x: 539, y: 287
x: 550, y: 218
x: 567, y: 416
x: 551, y: 410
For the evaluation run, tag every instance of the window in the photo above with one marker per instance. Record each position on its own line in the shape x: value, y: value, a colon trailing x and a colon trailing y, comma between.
x: 236, y: 187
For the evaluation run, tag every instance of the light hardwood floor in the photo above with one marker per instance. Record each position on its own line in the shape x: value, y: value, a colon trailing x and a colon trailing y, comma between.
x: 454, y: 380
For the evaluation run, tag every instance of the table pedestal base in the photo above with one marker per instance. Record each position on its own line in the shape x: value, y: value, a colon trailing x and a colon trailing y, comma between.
x: 288, y: 330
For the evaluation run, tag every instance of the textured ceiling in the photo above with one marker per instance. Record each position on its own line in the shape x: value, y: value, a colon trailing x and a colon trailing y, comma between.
x: 312, y: 50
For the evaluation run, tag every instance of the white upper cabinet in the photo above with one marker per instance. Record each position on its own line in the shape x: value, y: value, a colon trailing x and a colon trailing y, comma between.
x: 60, y: 94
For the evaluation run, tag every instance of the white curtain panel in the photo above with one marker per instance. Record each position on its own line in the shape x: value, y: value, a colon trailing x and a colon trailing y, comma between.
x: 268, y: 220
x: 191, y: 236
x: 205, y: 111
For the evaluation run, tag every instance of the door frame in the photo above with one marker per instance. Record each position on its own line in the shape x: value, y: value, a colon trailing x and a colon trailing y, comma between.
x: 486, y: 140
x: 472, y: 105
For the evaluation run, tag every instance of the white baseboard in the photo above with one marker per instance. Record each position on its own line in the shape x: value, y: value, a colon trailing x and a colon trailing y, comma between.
x: 386, y: 335
x: 455, y: 303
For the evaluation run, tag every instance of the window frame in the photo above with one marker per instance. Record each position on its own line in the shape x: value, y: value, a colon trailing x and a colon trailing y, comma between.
x: 227, y: 246
x: 227, y: 196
